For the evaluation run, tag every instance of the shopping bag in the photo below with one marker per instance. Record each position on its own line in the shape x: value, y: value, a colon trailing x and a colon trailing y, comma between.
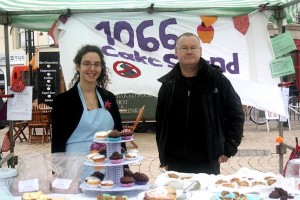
x: 294, y: 155
x: 18, y: 85
x: 6, y: 143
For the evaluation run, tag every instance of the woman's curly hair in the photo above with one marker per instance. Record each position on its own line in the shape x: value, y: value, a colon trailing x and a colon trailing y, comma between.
x: 103, y: 79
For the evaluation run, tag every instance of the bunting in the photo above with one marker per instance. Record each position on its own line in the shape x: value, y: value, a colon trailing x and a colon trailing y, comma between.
x: 241, y: 23
x: 205, y: 30
x: 54, y: 32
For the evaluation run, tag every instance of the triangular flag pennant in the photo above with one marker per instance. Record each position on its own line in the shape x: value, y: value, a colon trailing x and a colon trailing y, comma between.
x: 33, y: 60
x: 54, y: 32
x: 241, y: 23
x: 18, y: 85
x: 208, y: 21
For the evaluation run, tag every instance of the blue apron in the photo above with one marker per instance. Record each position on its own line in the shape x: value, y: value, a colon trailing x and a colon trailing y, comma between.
x: 91, y: 121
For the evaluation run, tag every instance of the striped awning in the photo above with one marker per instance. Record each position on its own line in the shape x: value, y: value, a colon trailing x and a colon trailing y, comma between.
x: 40, y: 14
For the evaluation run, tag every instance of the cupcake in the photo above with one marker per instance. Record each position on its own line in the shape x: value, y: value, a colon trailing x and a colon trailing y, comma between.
x: 98, y: 159
x: 92, y: 181
x: 131, y: 155
x: 140, y: 178
x: 116, y: 158
x: 91, y: 155
x: 127, y: 181
x: 95, y: 147
x: 101, y: 135
x: 114, y: 136
x: 126, y: 134
x: 107, y: 184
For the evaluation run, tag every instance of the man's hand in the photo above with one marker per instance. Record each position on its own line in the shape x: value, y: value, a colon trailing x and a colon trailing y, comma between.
x: 163, y: 169
x: 222, y: 159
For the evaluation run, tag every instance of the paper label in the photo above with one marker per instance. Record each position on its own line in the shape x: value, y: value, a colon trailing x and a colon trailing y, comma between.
x: 62, y: 183
x: 29, y: 185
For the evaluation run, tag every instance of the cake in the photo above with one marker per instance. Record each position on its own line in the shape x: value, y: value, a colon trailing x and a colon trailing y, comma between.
x: 34, y: 196
x: 132, y: 154
x: 95, y: 147
x: 109, y: 197
x: 127, y: 181
x: 114, y: 135
x: 126, y: 134
x: 91, y: 155
x: 98, y: 158
x: 159, y: 193
x: 92, y: 181
x: 116, y: 158
x: 107, y: 184
x: 140, y: 178
x: 101, y: 135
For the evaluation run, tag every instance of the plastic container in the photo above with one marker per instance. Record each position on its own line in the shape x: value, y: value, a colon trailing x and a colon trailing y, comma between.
x: 293, y: 171
x: 7, y: 176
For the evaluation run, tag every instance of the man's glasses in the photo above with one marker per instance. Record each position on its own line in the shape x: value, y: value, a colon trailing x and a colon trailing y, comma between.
x: 89, y: 65
x: 185, y: 49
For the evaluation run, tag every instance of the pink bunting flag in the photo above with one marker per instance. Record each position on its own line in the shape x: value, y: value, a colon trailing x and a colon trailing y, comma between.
x: 241, y: 23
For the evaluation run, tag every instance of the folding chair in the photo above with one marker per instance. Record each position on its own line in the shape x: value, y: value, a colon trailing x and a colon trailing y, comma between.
x: 19, y: 127
x: 38, y: 121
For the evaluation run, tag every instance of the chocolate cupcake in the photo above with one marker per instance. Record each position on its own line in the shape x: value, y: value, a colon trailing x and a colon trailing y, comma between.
x: 116, y: 158
x: 126, y: 134
x: 140, y: 178
x: 114, y: 136
x: 127, y: 181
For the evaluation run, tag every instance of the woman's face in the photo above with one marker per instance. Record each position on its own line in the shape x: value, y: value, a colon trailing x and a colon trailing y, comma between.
x: 90, y: 67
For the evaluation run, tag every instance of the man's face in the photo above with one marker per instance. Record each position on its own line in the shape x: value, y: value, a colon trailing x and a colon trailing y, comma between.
x: 188, y: 50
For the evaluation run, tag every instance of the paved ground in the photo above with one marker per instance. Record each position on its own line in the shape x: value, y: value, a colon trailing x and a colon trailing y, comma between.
x: 257, y: 150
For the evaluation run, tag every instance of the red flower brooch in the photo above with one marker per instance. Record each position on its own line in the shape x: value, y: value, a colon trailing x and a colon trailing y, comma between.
x: 107, y: 105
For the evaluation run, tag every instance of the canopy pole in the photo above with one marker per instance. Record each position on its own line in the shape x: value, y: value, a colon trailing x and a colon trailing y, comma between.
x: 279, y: 15
x: 10, y: 156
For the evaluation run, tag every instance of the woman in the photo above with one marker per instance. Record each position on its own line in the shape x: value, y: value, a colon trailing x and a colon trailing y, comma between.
x: 87, y: 107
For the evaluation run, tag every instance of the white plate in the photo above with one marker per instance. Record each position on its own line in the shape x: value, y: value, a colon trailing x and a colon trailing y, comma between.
x: 117, y: 187
x: 105, y: 141
x: 178, y: 193
x: 91, y: 163
x: 109, y: 163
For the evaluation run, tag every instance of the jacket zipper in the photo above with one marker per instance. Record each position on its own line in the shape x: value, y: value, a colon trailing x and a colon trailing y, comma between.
x: 188, y: 109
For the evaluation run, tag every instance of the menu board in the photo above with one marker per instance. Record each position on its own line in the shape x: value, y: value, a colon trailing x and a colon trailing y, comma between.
x: 48, y: 77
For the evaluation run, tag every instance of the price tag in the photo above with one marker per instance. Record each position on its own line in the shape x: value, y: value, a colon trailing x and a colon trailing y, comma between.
x: 61, y: 183
x: 29, y: 185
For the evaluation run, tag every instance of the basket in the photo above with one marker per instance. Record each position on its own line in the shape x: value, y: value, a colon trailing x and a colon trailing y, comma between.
x: 7, y: 176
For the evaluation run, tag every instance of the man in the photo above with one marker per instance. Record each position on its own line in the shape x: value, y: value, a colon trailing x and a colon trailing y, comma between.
x: 199, y: 116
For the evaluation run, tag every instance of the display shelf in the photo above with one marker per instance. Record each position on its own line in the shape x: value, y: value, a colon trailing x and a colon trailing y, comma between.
x: 113, y: 171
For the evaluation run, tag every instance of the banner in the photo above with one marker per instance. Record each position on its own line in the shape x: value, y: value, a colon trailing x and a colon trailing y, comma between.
x: 139, y: 48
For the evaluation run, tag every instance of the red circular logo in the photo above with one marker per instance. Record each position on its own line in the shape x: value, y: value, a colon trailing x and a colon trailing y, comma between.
x: 126, y: 69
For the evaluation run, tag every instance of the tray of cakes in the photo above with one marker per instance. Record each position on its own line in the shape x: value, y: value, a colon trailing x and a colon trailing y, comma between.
x: 246, y: 181
x: 179, y: 180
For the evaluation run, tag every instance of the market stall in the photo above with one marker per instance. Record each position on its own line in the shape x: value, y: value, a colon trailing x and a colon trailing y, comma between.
x: 252, y: 184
